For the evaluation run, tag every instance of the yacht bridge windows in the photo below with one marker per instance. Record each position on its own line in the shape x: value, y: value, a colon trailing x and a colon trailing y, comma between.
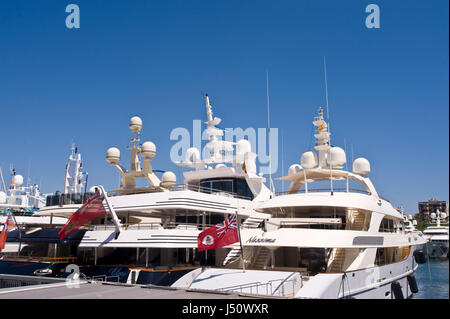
x: 236, y: 187
x: 66, y: 199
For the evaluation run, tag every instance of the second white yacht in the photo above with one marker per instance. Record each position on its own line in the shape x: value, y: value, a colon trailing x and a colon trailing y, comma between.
x: 338, y: 240
x: 438, y: 236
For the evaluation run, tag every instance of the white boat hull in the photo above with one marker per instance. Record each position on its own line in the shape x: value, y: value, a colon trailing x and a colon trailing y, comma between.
x: 370, y: 283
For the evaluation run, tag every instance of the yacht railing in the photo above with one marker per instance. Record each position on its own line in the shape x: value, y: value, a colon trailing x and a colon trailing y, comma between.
x: 340, y: 189
x: 103, y: 278
x: 152, y: 226
x: 266, y: 288
x: 346, y: 190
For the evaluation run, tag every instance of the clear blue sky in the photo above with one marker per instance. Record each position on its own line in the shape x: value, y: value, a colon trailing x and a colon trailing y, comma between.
x: 388, y: 87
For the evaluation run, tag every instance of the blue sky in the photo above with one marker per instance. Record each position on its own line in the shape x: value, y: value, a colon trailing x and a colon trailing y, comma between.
x: 388, y: 87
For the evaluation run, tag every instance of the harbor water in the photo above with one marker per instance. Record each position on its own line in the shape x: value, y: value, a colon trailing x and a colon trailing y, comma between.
x: 432, y: 279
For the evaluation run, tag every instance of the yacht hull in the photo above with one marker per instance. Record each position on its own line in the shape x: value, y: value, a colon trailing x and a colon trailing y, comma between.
x: 437, y: 249
x: 378, y: 282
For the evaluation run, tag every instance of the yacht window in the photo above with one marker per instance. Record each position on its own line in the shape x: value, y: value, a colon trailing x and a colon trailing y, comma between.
x: 65, y: 199
x: 387, y: 225
x: 230, y: 185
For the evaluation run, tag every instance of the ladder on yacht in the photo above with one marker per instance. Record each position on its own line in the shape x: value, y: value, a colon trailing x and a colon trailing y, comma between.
x: 338, y: 260
x: 358, y: 221
x: 262, y: 258
x: 235, y: 253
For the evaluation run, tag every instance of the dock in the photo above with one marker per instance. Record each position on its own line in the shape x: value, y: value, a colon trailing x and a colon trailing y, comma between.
x: 52, y: 288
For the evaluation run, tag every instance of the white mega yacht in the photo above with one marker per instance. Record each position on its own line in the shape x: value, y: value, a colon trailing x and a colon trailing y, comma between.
x: 74, y: 194
x: 20, y: 198
x: 438, y: 236
x: 151, y: 231
x: 38, y: 217
x: 335, y: 241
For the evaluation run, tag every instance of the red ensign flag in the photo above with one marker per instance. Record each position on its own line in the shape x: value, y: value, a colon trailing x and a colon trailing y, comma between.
x: 220, y: 235
x: 89, y: 211
x: 8, y: 226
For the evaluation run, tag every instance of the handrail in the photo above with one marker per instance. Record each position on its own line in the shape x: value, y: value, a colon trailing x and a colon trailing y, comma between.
x: 153, y: 225
x: 258, y: 284
x: 285, y: 280
x: 30, y: 258
x: 101, y: 277
x: 355, y: 190
x: 341, y: 189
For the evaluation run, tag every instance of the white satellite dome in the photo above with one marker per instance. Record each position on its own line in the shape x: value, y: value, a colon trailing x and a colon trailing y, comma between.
x: 113, y: 155
x: 148, y: 150
x: 243, y: 146
x: 2, y: 197
x: 294, y: 169
x: 168, y: 179
x: 309, y: 159
x: 18, y: 180
x: 361, y: 166
x: 135, y: 124
x: 192, y: 155
x: 336, y: 157
x: 93, y: 189
x: 433, y: 215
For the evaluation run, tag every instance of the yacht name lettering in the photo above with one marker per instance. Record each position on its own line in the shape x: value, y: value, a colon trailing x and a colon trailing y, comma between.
x: 255, y: 239
x: 199, y: 309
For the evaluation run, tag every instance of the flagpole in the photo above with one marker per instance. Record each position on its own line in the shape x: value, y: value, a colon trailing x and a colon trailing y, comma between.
x: 113, y: 214
x: 240, y: 241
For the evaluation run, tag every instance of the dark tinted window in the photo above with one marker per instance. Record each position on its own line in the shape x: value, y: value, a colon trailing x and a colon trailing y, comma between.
x: 230, y: 185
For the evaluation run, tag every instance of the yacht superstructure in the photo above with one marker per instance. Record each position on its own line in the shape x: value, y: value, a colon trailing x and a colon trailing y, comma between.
x: 335, y: 241
x: 438, y: 236
x: 20, y: 198
x: 36, y: 233
x: 74, y: 194
x: 156, y: 227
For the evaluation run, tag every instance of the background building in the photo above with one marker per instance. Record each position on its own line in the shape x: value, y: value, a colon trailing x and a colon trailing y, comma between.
x: 431, y: 206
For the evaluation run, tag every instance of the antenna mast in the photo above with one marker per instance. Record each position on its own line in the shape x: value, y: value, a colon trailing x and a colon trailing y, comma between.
x: 328, y: 120
x: 268, y: 124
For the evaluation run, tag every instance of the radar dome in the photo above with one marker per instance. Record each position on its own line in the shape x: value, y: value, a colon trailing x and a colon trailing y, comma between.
x: 309, y: 159
x: 148, y: 150
x: 336, y: 157
x: 93, y: 189
x: 168, y: 179
x: 433, y: 215
x: 18, y: 180
x: 2, y: 197
x: 361, y: 166
x: 113, y: 155
x: 243, y: 146
x: 294, y: 169
x: 135, y: 124
x: 192, y: 155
